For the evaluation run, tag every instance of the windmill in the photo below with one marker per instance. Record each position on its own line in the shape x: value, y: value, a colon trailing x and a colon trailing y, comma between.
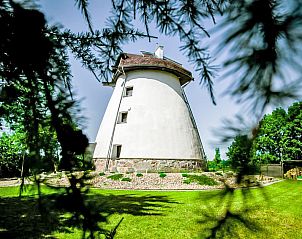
x: 148, y: 124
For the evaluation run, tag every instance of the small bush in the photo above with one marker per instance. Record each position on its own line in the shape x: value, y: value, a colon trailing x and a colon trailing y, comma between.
x: 126, y: 179
x: 162, y: 175
x: 184, y: 175
x: 115, y: 176
x: 202, y: 180
x: 101, y: 174
x: 139, y: 175
x: 187, y: 181
x: 219, y: 174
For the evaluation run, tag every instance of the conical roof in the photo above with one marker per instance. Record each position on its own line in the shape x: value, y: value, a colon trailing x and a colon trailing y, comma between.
x: 129, y: 62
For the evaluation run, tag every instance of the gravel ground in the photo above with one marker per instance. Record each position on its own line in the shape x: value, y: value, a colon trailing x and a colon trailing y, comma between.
x: 150, y: 181
x: 173, y: 181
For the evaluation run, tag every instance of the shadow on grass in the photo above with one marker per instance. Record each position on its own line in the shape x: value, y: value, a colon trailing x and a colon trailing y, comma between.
x: 21, y: 217
x: 229, y: 213
x: 132, y: 204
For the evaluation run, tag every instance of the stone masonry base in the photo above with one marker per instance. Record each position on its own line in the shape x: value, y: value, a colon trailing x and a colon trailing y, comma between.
x: 149, y: 165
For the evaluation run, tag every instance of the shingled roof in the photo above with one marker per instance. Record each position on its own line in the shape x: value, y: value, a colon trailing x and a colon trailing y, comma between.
x: 127, y: 62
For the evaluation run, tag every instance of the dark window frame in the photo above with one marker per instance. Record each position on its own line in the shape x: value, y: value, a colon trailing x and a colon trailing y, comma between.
x: 128, y: 91
x: 123, y: 117
x: 116, y: 151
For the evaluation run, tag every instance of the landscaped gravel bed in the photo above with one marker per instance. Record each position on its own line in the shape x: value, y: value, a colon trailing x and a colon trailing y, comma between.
x: 172, y: 181
x: 149, y: 181
x: 152, y: 181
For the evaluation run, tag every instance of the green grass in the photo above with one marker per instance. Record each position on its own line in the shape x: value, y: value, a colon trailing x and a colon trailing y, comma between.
x: 272, y: 212
x: 28, y: 191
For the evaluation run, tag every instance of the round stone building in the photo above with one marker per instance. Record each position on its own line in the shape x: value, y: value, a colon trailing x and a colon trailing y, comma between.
x: 148, y: 124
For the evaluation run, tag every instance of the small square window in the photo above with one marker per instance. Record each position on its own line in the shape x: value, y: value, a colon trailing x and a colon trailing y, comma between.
x: 116, y: 151
x: 123, y: 117
x: 129, y: 91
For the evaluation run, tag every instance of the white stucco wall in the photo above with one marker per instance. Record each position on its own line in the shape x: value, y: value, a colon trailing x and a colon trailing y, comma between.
x: 158, y: 123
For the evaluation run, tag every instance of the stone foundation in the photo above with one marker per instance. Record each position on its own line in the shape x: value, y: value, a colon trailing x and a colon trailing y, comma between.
x: 149, y: 165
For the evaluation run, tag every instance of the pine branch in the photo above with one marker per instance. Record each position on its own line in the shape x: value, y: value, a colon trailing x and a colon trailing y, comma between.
x: 83, y: 6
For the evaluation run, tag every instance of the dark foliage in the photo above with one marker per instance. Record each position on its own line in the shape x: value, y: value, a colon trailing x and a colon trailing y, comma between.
x: 34, y: 68
x: 256, y: 34
x: 36, y: 94
x: 264, y: 40
x: 182, y: 18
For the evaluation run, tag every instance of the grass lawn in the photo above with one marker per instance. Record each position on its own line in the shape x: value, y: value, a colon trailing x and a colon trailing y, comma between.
x: 272, y: 212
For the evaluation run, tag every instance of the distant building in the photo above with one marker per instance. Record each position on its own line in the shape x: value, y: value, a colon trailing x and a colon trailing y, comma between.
x: 148, y: 124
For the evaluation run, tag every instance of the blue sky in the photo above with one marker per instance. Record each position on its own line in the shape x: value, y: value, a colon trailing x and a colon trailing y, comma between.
x: 94, y: 97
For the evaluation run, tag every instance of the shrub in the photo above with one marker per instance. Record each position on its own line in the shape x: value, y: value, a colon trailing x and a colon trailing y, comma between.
x: 162, y: 175
x: 184, y: 175
x: 115, y: 176
x: 126, y: 179
x: 139, y: 175
x: 101, y: 174
x: 202, y: 180
x: 219, y: 174
x: 187, y: 181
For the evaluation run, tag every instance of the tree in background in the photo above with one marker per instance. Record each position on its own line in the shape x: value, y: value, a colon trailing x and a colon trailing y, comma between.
x: 15, y: 159
x: 217, y: 157
x: 268, y: 145
x: 292, y: 139
x: 278, y: 138
x: 239, y: 154
x: 12, y: 153
x: 217, y: 162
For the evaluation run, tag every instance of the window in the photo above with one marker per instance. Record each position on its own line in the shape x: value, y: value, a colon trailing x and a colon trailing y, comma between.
x: 116, y: 151
x: 122, y: 117
x: 129, y: 91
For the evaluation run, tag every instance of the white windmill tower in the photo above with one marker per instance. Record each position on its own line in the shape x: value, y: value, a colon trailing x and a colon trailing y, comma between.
x: 148, y: 124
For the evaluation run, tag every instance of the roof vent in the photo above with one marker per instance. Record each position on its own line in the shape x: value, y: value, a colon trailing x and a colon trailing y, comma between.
x: 159, y: 53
